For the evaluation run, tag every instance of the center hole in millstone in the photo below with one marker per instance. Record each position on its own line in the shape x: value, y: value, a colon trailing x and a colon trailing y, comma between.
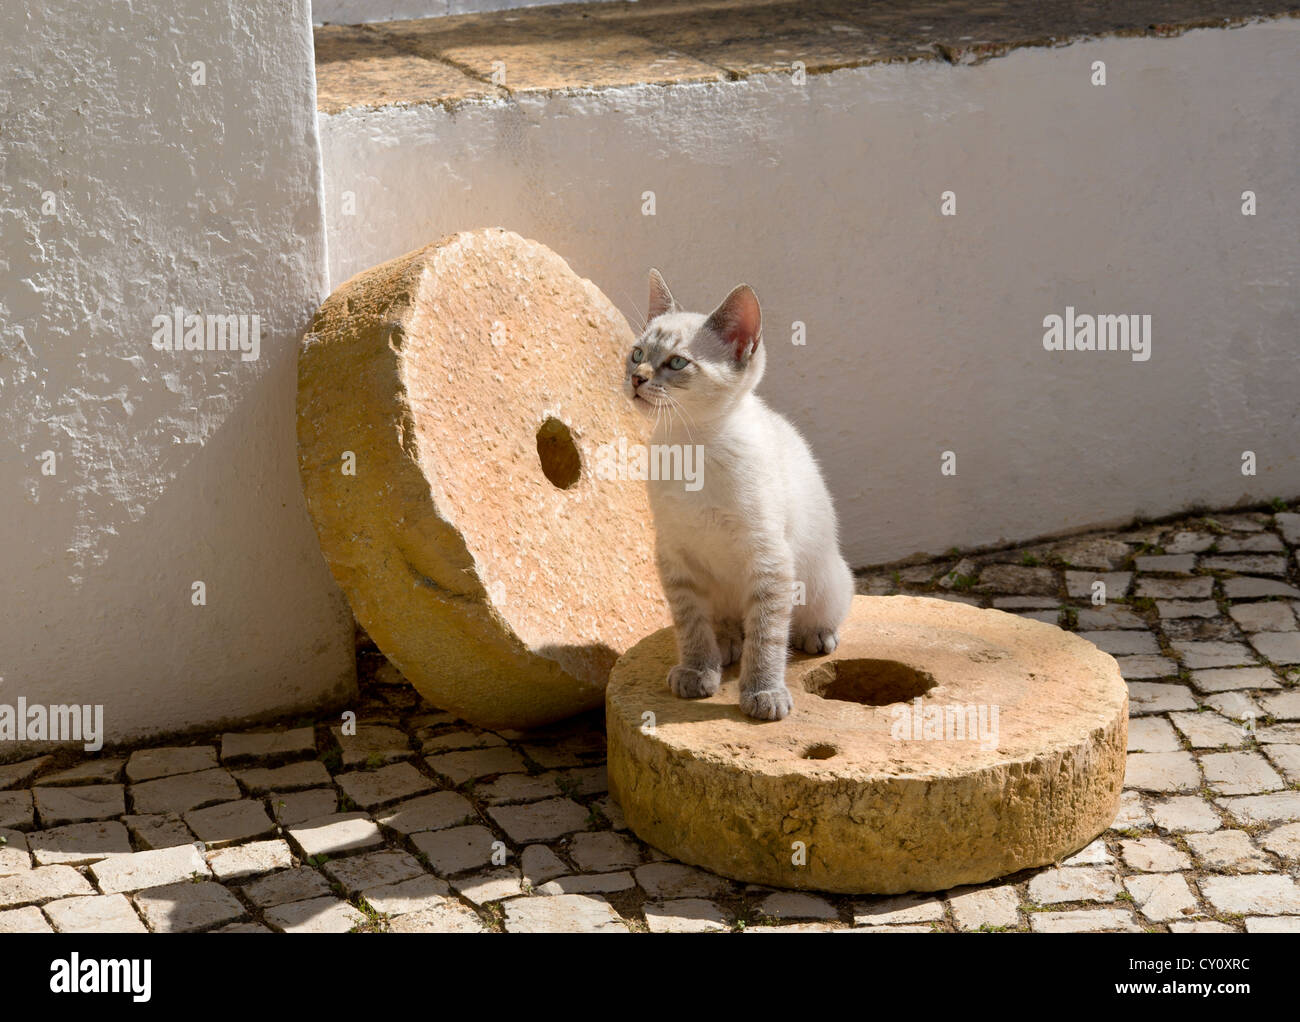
x: 558, y: 454
x: 820, y: 751
x: 870, y: 682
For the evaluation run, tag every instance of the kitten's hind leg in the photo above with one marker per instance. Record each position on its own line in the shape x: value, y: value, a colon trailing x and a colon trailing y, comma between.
x: 731, y: 639
x: 815, y: 641
x: 814, y: 627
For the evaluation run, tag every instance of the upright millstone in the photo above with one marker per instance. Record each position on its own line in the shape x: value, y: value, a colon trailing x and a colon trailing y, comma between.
x: 451, y: 404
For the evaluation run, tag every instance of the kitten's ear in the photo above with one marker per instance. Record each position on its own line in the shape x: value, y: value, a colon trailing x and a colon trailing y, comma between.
x: 661, y: 299
x: 738, y: 322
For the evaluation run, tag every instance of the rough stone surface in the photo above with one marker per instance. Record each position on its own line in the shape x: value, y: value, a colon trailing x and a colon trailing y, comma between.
x: 375, y: 869
x: 540, y: 821
x: 230, y: 822
x: 1054, y: 886
x: 413, y: 895
x: 720, y: 790
x: 300, y: 884
x: 24, y: 920
x: 15, y: 856
x: 181, y: 793
x: 187, y: 907
x: 685, y: 915
x: 249, y: 860
x: 147, y: 764
x: 291, y: 777
x: 500, y: 595
x: 456, y: 849
x: 77, y: 805
x: 164, y: 830
x: 448, y: 917
x: 438, y: 811
x: 1259, y: 894
x: 317, y: 915
x: 79, y: 843
x: 104, y: 913
x: 1161, y: 896
x: 336, y: 834
x: 139, y: 870
x: 562, y: 913
x: 372, y: 788
x: 1228, y: 850
x: 41, y: 884
x: 299, y: 741
x: 985, y: 907
x: 1097, y: 920
x: 1152, y: 855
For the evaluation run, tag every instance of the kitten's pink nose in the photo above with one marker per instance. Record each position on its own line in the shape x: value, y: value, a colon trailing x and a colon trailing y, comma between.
x: 637, y: 381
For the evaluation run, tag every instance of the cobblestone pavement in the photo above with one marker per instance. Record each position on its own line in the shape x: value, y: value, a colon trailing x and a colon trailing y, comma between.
x: 419, y: 822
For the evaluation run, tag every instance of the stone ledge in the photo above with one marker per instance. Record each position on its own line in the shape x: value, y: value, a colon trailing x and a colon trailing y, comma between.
x: 444, y: 61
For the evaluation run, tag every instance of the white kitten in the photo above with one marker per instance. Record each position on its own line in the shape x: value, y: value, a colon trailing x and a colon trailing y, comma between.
x: 750, y: 559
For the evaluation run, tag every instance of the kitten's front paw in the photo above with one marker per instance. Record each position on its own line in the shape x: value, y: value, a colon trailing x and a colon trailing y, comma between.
x: 767, y: 704
x: 816, y: 641
x: 693, y: 683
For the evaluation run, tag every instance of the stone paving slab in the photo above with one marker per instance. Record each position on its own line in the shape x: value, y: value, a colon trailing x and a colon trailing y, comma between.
x: 77, y: 805
x: 298, y: 884
x: 429, y: 812
x: 1207, y: 837
x: 416, y: 894
x: 43, y: 884
x: 183, y: 792
x: 13, y: 775
x: 93, y: 771
x: 139, y: 870
x: 290, y: 807
x: 147, y: 764
x: 317, y: 915
x: 230, y: 823
x: 101, y: 913
x: 296, y: 742
x: 77, y: 844
x: 374, y: 869
x: 449, y: 917
x: 336, y: 834
x: 291, y: 777
x: 15, y: 856
x: 159, y: 830
x: 24, y: 920
x: 249, y: 860
x: 373, y: 788
x: 16, y: 811
x: 189, y: 907
x: 564, y: 913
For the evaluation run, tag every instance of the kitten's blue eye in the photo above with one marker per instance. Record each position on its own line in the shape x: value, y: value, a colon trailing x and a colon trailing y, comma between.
x: 638, y: 356
x: 677, y: 362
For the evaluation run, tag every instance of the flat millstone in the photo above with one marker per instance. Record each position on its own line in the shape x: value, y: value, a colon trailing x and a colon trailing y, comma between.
x: 875, y: 811
x: 502, y: 596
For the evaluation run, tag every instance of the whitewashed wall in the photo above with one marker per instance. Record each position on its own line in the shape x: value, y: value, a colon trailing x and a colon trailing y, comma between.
x: 924, y: 332
x: 356, y: 12
x: 169, y: 467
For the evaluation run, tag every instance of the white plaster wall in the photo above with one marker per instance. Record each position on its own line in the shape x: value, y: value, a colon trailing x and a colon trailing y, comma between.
x: 171, y: 467
x: 924, y: 332
x: 356, y: 12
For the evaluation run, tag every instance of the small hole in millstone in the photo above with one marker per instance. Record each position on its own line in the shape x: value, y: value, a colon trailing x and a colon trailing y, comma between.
x: 558, y: 454
x: 821, y: 751
x: 870, y: 682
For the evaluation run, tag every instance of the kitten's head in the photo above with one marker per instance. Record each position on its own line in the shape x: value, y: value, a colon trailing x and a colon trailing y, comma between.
x: 692, y: 364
